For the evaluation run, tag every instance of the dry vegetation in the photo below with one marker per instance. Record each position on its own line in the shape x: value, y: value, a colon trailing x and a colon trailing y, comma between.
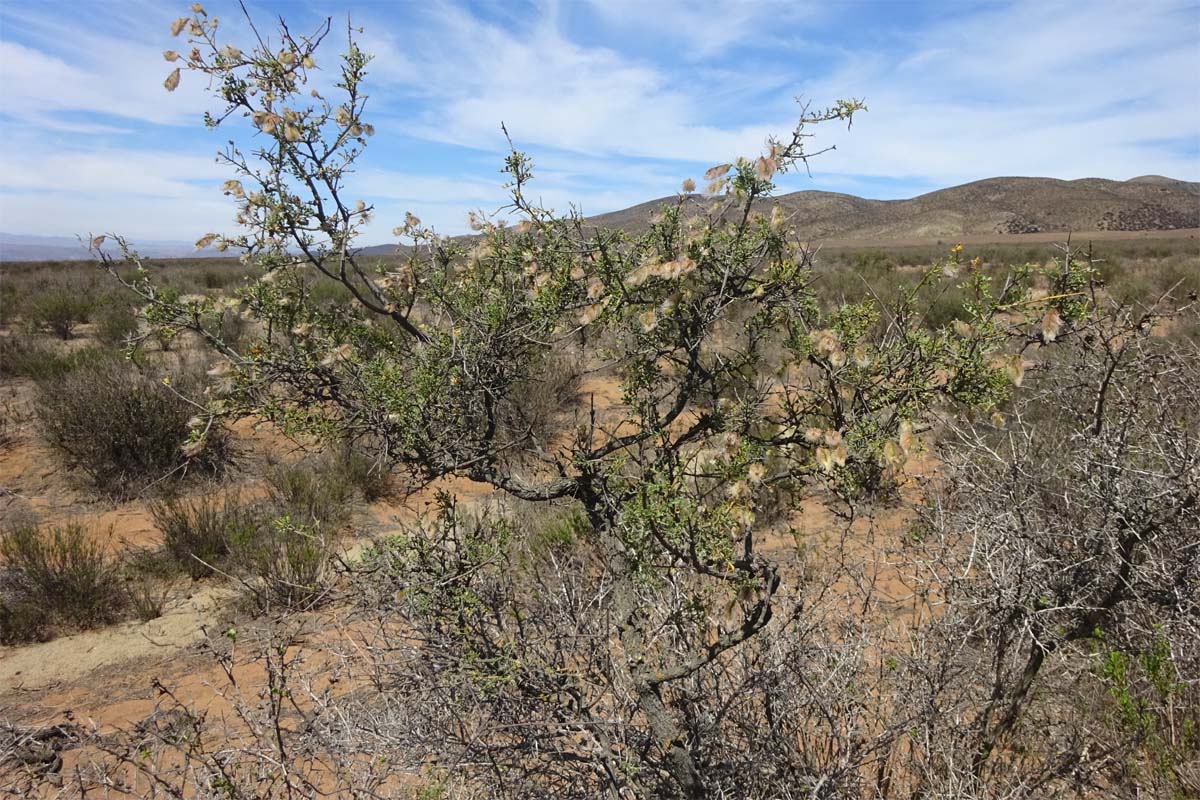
x: 552, y: 511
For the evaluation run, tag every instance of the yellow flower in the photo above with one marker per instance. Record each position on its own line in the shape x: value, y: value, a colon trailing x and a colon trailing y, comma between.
x: 958, y: 248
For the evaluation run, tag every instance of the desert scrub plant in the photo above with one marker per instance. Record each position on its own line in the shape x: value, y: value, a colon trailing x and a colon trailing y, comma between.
x: 200, y: 531
x: 116, y: 322
x: 61, y: 308
x: 364, y: 469
x: 27, y: 356
x: 316, y: 491
x: 124, y: 429
x: 635, y: 657
x: 1076, y: 512
x: 292, y: 561
x: 64, y: 570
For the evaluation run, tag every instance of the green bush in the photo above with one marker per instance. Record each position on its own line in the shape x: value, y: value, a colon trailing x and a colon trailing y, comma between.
x: 123, y: 428
x: 316, y: 492
x: 115, y: 323
x: 292, y: 560
x: 29, y: 357
x: 198, y: 533
x: 372, y: 479
x: 61, y: 309
x: 58, y: 574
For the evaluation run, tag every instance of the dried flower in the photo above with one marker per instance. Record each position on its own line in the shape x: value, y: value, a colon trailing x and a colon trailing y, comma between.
x: 716, y: 172
x: 649, y: 320
x: 205, y: 240
x: 756, y: 473
x: 778, y: 220
x: 688, y: 186
x: 1051, y: 325
x: 764, y: 168
x: 825, y: 341
x: 839, y: 455
x: 308, y: 62
x: 1014, y: 368
x: 170, y: 55
x: 234, y: 188
x: 172, y: 81
x: 177, y: 25
x: 195, y: 447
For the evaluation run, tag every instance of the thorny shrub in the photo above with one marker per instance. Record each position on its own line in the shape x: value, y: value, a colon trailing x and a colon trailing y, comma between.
x: 666, y: 650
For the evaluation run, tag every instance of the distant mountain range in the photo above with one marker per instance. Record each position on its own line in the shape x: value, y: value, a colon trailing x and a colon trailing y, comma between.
x: 16, y: 247
x: 991, y: 208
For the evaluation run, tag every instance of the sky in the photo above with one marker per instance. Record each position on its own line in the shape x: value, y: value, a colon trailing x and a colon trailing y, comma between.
x: 617, y: 101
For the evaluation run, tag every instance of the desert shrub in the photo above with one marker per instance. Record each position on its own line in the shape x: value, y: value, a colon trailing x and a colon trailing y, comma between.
x: 10, y: 302
x: 147, y: 596
x: 872, y: 263
x: 317, y: 491
x: 329, y: 293
x: 663, y: 649
x: 199, y: 532
x: 24, y: 356
x: 23, y: 620
x: 124, y: 429
x: 945, y: 307
x: 369, y: 474
x: 220, y: 277
x: 61, y: 309
x: 64, y: 570
x: 115, y: 322
x: 292, y: 561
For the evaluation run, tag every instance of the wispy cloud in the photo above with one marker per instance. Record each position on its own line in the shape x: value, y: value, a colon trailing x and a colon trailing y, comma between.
x: 616, y: 100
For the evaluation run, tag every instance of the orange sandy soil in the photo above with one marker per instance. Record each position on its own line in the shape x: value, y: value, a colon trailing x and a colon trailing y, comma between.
x: 105, y: 677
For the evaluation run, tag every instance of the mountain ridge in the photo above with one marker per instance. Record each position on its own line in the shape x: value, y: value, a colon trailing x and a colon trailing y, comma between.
x: 990, y: 207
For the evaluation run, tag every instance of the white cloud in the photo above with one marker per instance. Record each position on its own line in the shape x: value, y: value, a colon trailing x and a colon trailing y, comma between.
x: 552, y: 93
x: 1064, y: 90
x: 649, y: 95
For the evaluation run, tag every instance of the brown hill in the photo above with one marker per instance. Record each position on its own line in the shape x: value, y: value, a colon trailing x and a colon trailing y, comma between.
x: 983, y: 208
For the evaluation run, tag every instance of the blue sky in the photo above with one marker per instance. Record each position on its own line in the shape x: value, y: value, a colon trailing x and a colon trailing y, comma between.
x: 616, y: 100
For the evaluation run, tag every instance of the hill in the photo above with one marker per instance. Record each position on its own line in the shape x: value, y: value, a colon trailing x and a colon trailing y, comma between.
x: 995, y: 206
